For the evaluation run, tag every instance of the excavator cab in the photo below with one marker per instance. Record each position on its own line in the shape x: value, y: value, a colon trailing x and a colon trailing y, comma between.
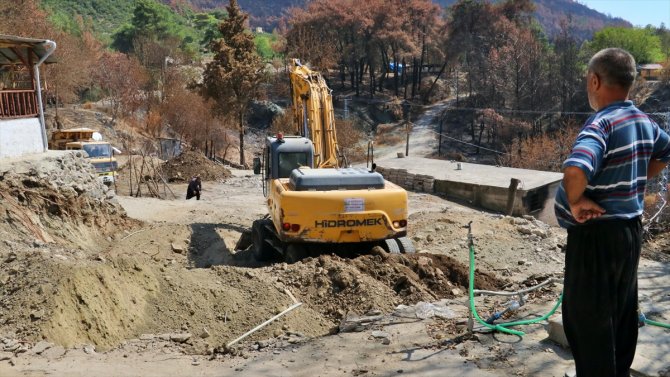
x: 285, y: 153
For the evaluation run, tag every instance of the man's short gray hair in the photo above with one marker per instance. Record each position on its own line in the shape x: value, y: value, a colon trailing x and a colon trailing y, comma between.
x: 614, y: 66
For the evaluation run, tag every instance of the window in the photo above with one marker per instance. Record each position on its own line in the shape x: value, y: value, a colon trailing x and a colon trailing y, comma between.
x: 98, y: 150
x: 290, y: 161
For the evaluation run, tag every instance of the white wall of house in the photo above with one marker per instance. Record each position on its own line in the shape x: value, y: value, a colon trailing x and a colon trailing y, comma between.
x: 20, y: 136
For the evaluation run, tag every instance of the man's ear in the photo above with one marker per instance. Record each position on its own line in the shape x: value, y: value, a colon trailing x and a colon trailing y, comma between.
x: 596, y: 81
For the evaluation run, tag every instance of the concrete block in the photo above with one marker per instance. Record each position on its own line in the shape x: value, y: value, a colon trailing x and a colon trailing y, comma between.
x: 556, y: 333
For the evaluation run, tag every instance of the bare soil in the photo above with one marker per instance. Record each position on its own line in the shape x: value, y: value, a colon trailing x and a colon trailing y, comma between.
x: 92, y: 273
x: 157, y: 286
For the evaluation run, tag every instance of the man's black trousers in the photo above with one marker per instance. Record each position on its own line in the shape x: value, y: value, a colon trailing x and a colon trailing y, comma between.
x: 600, y: 296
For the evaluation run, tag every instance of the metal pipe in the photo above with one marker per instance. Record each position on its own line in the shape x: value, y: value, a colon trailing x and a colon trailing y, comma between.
x: 520, y: 292
x: 49, y: 51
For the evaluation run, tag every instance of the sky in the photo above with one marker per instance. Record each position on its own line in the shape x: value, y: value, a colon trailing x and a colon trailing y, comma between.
x: 637, y: 12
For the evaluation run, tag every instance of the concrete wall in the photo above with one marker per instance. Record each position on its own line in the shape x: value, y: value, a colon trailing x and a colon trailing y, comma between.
x: 20, y: 136
x: 487, y: 197
x: 538, y: 202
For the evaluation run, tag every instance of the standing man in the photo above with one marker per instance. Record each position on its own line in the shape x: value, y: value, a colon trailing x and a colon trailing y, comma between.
x: 194, y: 188
x: 600, y: 203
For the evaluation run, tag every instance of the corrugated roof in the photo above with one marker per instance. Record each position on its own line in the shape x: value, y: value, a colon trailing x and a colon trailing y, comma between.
x: 651, y: 66
x: 17, y: 50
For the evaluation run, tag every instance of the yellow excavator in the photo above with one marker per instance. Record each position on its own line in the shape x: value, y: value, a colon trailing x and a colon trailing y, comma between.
x: 315, y: 201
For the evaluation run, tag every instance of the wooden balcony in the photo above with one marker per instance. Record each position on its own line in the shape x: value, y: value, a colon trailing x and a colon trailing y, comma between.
x: 18, y: 103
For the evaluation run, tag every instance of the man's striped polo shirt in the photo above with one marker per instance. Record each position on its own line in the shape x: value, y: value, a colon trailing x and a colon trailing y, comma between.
x: 613, y: 149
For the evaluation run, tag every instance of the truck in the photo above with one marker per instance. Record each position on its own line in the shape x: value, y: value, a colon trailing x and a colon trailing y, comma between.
x: 100, y: 153
x: 315, y: 201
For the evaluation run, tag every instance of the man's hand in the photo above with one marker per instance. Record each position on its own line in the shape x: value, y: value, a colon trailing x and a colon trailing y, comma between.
x: 584, y: 209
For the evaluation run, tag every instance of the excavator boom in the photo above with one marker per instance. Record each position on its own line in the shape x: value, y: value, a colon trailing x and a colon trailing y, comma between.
x: 313, y: 114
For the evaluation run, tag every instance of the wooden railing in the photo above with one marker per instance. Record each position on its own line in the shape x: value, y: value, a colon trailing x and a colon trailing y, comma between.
x: 17, y: 103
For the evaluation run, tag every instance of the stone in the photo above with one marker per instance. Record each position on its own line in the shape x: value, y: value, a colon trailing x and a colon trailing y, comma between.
x: 539, y: 232
x: 380, y: 334
x: 180, y: 337
x: 205, y: 333
x: 519, y: 221
x: 11, y: 257
x: 37, y: 314
x: 89, y: 349
x: 556, y: 332
x: 524, y: 229
x: 456, y: 292
x: 40, y: 347
x: 11, y: 347
x: 54, y: 352
x: 177, y: 248
x: 424, y: 261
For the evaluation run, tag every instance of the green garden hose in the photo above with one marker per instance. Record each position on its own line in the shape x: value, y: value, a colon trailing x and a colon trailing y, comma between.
x: 502, y: 327
x: 654, y: 323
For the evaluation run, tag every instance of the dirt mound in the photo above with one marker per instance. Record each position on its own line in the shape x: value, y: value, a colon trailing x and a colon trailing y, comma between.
x: 57, y: 198
x: 189, y: 164
x: 335, y: 286
x: 54, y: 209
x: 138, y: 287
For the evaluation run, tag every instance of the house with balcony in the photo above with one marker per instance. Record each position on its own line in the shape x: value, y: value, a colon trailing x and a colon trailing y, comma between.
x: 22, y: 126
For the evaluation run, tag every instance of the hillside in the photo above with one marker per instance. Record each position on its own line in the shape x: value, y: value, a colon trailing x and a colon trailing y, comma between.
x: 264, y: 13
x: 109, y: 15
x: 548, y: 13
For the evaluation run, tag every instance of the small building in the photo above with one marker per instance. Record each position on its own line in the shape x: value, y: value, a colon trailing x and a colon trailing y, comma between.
x: 650, y: 71
x: 22, y: 127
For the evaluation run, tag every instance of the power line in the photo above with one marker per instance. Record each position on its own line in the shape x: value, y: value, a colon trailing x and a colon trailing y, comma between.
x: 488, y: 149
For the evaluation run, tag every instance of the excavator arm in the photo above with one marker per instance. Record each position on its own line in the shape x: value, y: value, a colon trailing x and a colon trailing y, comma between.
x: 314, y: 115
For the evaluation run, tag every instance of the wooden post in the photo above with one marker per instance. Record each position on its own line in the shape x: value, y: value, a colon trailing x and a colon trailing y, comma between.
x: 511, y: 195
x: 439, y: 143
x: 407, y: 128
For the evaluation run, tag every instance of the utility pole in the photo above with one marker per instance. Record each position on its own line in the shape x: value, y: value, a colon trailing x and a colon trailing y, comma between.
x: 346, y: 108
x: 405, y: 113
x: 439, y: 143
x: 407, y: 129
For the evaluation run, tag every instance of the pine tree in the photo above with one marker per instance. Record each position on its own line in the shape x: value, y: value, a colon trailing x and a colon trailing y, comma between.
x: 233, y: 77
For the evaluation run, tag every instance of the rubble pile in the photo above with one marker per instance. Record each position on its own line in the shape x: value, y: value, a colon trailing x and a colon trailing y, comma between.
x: 48, y: 199
x: 191, y: 163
